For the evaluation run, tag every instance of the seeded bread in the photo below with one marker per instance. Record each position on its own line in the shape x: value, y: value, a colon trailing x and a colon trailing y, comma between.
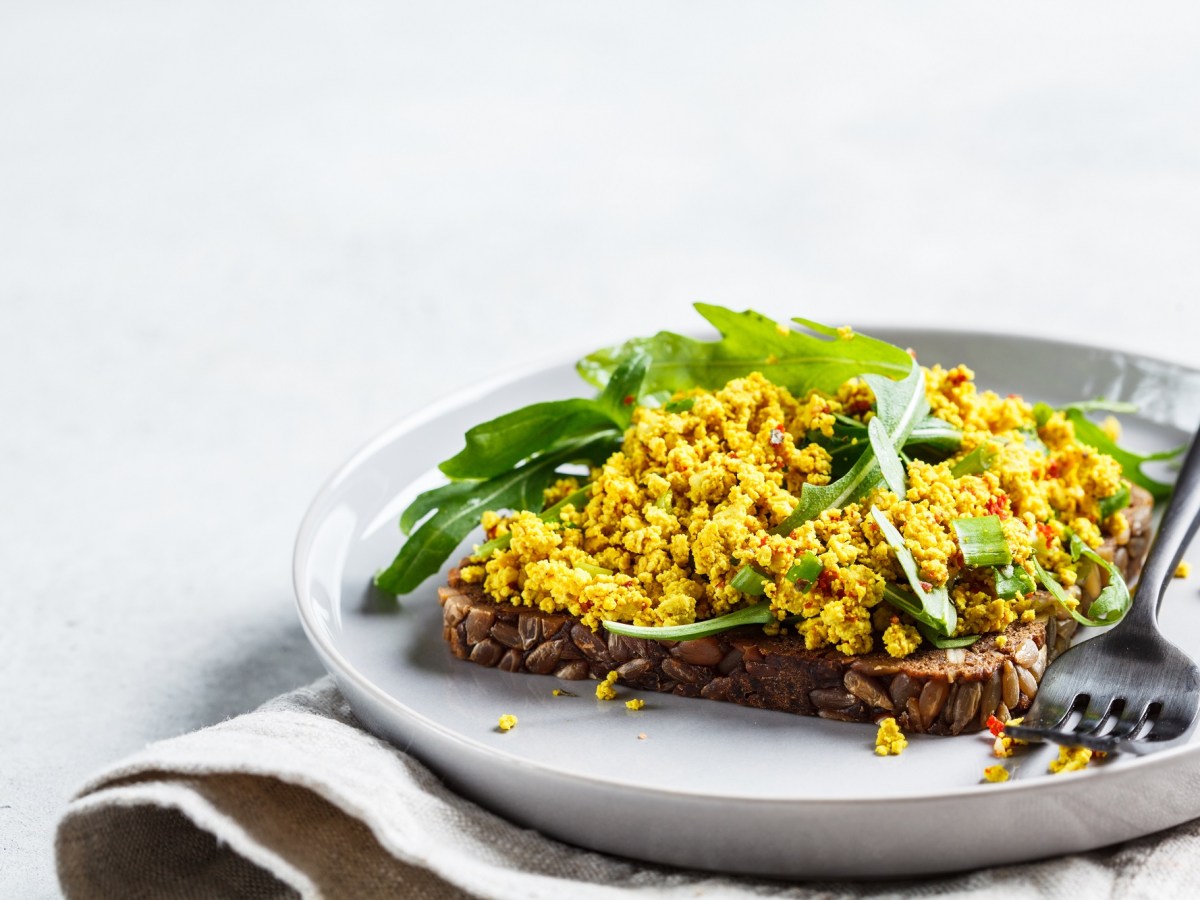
x: 932, y: 691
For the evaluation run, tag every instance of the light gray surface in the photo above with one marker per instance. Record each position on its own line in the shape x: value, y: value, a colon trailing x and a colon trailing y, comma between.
x: 235, y: 241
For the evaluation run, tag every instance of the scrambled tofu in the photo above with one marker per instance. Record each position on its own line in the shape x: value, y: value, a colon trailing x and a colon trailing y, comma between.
x: 605, y: 689
x: 1071, y: 759
x: 507, y: 722
x: 889, y: 740
x: 694, y: 491
x: 995, y: 774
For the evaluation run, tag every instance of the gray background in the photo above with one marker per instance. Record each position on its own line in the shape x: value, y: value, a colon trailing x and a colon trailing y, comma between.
x: 237, y: 240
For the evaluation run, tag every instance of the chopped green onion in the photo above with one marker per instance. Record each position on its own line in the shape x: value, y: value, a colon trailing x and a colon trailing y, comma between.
x: 808, y: 570
x: 1115, y: 502
x: 977, y: 461
x: 546, y: 515
x: 932, y: 605
x: 758, y: 614
x: 982, y: 541
x: 1012, y: 580
x: 593, y: 570
x: 664, y: 502
x: 749, y: 580
x: 680, y: 405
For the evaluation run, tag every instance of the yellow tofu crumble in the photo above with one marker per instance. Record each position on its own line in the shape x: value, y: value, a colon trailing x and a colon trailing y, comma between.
x: 1071, y: 759
x: 605, y: 690
x: 635, y: 704
x: 889, y: 740
x: 995, y: 774
x: 507, y: 722
x: 693, y: 493
x: 1183, y: 570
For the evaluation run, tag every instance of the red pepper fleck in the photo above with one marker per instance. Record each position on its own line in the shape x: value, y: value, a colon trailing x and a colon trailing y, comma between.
x: 956, y: 377
x: 627, y: 584
x: 628, y: 401
x: 585, y: 605
x: 926, y: 586
x: 1053, y: 470
x: 998, y: 506
x: 825, y: 581
x: 1046, y: 532
x: 995, y: 726
x: 1014, y: 396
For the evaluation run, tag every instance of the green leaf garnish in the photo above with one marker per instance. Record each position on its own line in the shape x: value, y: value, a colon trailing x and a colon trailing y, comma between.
x: 1107, y: 609
x: 808, y: 570
x: 946, y: 643
x: 458, y: 513
x: 1012, y: 580
x: 1092, y: 434
x: 758, y: 614
x: 499, y: 444
x: 976, y: 462
x: 981, y: 539
x: 751, y: 342
x: 889, y: 463
x: 1115, y: 503
x: 929, y: 604
x: 899, y: 406
x: 678, y: 406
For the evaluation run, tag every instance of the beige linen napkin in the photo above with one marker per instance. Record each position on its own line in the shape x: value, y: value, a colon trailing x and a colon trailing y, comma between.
x: 296, y: 799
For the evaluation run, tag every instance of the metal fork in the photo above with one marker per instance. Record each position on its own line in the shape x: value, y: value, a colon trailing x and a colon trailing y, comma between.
x: 1129, y: 689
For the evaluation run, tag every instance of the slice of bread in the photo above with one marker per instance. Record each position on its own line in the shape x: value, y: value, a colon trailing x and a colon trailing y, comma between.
x: 932, y: 691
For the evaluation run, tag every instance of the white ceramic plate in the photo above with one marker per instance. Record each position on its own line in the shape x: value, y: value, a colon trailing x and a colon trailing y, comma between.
x: 714, y: 785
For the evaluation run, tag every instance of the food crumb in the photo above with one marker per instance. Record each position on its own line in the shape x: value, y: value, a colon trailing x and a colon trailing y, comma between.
x: 559, y: 692
x: 845, y: 332
x: 642, y: 736
x: 507, y: 722
x: 604, y: 690
x: 1111, y: 428
x: 889, y: 741
x: 1001, y: 640
x: 1071, y: 759
x: 636, y: 703
x: 995, y: 774
x: 1183, y: 570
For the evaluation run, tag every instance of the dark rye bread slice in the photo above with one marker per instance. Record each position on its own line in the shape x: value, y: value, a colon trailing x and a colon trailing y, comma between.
x: 934, y: 691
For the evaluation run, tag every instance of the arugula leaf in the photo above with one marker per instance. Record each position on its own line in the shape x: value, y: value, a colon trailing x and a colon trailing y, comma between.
x: 1012, y: 580
x: 435, y: 498
x: 1043, y: 411
x: 981, y: 540
x: 458, y: 513
x: 758, y: 614
x: 900, y: 405
x: 621, y: 393
x: 946, y: 643
x: 1092, y: 434
x: 1107, y: 609
x: 751, y: 342
x: 1115, y: 502
x: 977, y: 461
x: 499, y: 444
x: 889, y: 463
x: 934, y: 607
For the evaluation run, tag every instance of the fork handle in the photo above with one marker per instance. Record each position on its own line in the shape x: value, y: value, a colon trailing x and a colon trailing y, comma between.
x: 1175, y: 532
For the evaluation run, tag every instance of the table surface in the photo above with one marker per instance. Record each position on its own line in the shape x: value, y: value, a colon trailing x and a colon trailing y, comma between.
x: 236, y: 241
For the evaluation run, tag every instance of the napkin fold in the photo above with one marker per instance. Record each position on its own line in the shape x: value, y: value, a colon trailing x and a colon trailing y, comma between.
x: 296, y: 799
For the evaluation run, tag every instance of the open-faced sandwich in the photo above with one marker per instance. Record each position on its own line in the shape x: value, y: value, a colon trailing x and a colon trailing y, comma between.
x: 805, y: 520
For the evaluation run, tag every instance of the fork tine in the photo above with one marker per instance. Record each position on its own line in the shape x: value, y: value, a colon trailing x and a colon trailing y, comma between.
x: 1097, y: 713
x: 1130, y: 722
